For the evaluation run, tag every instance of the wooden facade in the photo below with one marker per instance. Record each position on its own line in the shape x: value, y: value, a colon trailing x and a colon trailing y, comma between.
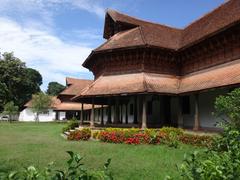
x: 158, y: 62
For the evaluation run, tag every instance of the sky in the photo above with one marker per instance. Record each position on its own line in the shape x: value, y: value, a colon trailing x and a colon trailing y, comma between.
x: 56, y: 36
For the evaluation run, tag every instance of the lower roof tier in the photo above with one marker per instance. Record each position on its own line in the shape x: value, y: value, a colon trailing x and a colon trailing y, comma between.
x: 124, y: 84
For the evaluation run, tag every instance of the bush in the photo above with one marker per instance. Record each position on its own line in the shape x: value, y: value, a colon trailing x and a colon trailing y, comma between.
x: 196, y: 140
x: 229, y: 107
x: 96, y: 134
x: 72, y: 124
x: 222, y: 161
x: 84, y: 134
x: 172, y: 130
x: 75, y: 170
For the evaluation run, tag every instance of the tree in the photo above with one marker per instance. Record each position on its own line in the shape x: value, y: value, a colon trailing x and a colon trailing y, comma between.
x: 17, y: 82
x: 228, y: 108
x: 40, y: 103
x: 54, y: 88
x: 10, y: 109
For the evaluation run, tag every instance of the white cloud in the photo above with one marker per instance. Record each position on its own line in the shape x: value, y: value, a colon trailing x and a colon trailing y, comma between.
x: 47, y: 8
x: 91, y: 6
x: 41, y: 49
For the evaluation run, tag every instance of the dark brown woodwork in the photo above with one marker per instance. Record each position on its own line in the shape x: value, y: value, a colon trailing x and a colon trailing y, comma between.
x: 220, y: 48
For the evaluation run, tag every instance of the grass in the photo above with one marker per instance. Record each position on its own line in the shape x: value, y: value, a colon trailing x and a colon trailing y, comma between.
x: 24, y: 144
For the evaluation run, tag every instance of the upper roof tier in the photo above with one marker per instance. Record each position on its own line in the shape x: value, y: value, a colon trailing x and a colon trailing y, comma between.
x: 122, y: 30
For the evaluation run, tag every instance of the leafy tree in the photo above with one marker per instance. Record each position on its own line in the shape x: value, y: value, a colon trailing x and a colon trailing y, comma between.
x: 228, y: 108
x: 17, y: 82
x: 10, y: 109
x: 54, y: 88
x: 40, y: 103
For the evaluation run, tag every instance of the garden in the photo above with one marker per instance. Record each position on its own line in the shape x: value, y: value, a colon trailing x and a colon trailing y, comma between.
x: 166, y: 153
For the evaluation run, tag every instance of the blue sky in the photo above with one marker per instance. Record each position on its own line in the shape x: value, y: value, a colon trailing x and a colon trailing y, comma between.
x: 55, y: 36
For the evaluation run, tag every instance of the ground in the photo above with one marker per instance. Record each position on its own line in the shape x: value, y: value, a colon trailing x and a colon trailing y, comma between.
x: 24, y: 144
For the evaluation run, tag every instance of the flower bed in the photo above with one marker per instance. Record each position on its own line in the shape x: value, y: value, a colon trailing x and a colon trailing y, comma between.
x: 196, y: 140
x: 166, y: 135
x: 84, y: 134
x: 135, y: 136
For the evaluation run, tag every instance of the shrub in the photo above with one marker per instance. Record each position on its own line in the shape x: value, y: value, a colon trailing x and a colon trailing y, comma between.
x: 75, y: 170
x: 96, y: 134
x: 221, y: 161
x: 196, y: 140
x: 72, y: 124
x: 228, y: 107
x: 168, y: 130
x: 84, y: 134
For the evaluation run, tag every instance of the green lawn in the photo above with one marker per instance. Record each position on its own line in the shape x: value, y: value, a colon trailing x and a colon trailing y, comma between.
x: 24, y: 144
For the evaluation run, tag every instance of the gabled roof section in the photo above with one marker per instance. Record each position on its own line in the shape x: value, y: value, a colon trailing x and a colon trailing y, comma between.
x: 75, y: 85
x: 127, y: 38
x: 163, y: 36
x: 54, y: 99
x: 153, y: 33
x: 217, y: 20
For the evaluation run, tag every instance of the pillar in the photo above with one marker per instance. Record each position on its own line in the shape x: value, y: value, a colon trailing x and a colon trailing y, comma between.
x: 126, y: 113
x: 144, y: 113
x: 92, y: 115
x: 116, y: 111
x: 109, y: 119
x: 121, y: 113
x: 81, y: 117
x: 135, y: 110
x: 102, y: 122
x: 196, y: 115
x: 180, y: 116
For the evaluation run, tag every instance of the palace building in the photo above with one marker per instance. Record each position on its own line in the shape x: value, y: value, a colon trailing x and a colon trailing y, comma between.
x: 152, y: 75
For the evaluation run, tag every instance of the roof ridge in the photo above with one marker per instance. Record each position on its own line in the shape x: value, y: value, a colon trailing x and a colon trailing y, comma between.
x: 142, y: 35
x: 141, y: 20
x: 207, y: 14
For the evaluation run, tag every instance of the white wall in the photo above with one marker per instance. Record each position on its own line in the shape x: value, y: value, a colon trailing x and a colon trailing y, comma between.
x: 206, y: 109
x: 28, y: 115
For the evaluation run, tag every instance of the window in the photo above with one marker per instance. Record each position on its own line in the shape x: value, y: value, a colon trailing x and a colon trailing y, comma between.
x: 149, y: 108
x: 131, y: 109
x: 186, y: 105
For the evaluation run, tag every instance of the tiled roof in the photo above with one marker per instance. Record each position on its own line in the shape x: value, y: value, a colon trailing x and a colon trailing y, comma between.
x: 146, y: 33
x: 65, y: 106
x: 222, y: 75
x: 72, y: 106
x: 55, y: 102
x: 74, y: 86
x: 219, y: 76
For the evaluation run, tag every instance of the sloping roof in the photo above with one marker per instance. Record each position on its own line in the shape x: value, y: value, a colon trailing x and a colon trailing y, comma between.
x: 218, y: 76
x: 123, y: 39
x: 65, y: 106
x: 153, y: 34
x: 55, y: 102
x: 74, y: 86
x: 213, y: 22
x: 72, y: 106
